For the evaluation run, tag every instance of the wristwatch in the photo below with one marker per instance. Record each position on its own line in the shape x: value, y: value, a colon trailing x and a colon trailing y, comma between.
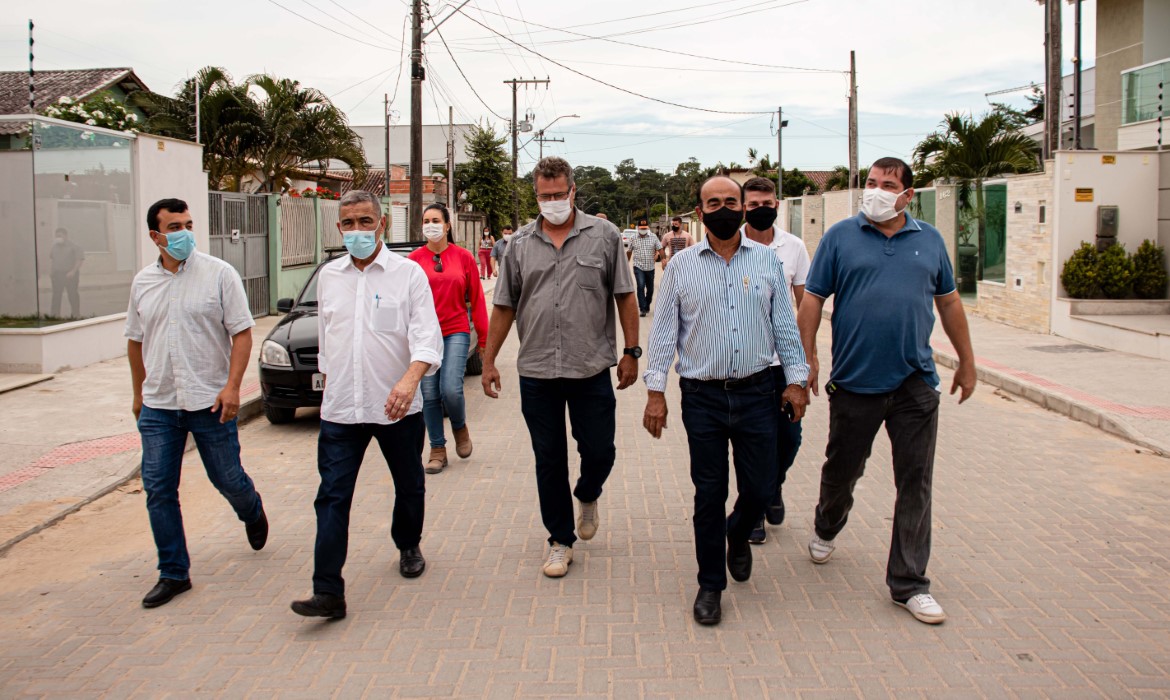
x: 635, y: 352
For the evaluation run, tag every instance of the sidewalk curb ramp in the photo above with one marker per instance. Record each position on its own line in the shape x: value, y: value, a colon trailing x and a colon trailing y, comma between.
x: 249, y: 409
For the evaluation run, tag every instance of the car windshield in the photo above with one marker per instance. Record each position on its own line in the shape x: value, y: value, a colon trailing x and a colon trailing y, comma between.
x: 309, y: 295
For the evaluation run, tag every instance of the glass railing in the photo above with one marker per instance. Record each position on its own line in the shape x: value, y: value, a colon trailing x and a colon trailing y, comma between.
x: 1140, y: 92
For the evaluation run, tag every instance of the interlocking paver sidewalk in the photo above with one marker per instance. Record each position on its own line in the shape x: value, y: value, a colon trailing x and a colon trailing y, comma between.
x: 1127, y: 395
x: 71, y: 439
x: 1049, y: 555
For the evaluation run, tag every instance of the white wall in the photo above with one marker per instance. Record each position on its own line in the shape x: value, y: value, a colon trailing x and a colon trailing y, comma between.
x: 1130, y: 184
x: 61, y: 347
x: 168, y: 168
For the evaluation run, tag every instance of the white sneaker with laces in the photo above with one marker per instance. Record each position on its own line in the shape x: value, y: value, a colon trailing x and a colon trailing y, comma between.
x: 924, y: 607
x: 559, y: 558
x: 820, y: 550
x: 588, y: 520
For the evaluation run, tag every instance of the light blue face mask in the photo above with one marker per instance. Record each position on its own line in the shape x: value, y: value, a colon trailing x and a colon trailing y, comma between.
x: 361, y: 244
x: 180, y: 244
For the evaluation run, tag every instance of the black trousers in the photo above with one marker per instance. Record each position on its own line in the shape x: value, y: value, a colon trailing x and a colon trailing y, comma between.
x: 910, y: 414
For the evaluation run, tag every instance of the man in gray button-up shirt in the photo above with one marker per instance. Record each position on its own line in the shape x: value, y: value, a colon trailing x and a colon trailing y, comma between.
x: 562, y: 275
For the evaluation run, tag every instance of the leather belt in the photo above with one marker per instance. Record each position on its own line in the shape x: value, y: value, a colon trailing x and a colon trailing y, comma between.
x: 760, y: 377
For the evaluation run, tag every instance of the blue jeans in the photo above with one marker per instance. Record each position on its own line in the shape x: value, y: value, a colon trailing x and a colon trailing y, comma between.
x: 164, y: 437
x: 340, y: 449
x: 644, y: 281
x: 789, y: 435
x: 592, y: 411
x: 444, y: 389
x: 746, y: 418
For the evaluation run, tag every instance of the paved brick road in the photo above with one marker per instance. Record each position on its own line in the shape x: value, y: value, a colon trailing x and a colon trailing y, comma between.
x: 1050, y: 557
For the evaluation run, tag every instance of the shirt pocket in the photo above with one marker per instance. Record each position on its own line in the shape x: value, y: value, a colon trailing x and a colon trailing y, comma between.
x: 387, y: 318
x: 590, y: 270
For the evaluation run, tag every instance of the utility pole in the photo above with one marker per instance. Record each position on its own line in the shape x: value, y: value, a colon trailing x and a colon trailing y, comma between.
x: 515, y: 82
x: 542, y: 140
x: 451, y: 203
x: 1077, y: 79
x: 386, y: 116
x: 417, y: 75
x: 1052, y: 79
x: 853, y: 183
x: 780, y: 153
x: 32, y: 88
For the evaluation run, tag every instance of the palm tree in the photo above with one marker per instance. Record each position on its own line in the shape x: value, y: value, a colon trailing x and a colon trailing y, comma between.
x: 839, y: 180
x: 969, y: 151
x: 301, y: 129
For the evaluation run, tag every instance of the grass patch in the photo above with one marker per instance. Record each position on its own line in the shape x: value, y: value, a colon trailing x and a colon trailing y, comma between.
x: 33, y: 321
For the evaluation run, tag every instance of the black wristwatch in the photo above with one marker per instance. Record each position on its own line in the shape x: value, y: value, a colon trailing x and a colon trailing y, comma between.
x: 635, y: 352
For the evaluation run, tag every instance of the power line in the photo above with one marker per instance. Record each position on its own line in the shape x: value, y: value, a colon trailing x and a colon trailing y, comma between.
x: 666, y: 138
x: 331, y: 30
x: 363, y: 19
x: 602, y: 82
x: 362, y: 81
x: 460, y: 68
x: 340, y: 21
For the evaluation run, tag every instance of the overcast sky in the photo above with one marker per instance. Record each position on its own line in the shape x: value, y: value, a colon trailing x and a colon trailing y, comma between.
x: 916, y: 60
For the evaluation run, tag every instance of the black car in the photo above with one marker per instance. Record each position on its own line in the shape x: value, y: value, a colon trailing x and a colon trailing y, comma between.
x: 288, y: 357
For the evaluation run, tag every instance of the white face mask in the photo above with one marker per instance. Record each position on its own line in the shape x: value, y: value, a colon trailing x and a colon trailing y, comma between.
x: 557, y: 212
x: 433, y: 232
x: 879, y: 205
x: 508, y: 236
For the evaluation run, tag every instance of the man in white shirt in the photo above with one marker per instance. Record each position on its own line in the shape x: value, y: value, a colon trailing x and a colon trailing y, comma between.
x: 189, y: 335
x: 760, y: 207
x: 378, y: 336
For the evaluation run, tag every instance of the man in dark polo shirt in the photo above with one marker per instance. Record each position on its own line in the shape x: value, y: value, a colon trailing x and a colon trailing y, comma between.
x: 561, y: 277
x: 886, y: 271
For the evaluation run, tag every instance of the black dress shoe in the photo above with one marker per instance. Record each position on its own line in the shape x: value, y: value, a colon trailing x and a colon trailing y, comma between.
x: 707, y: 608
x: 739, y: 560
x: 258, y: 531
x: 321, y: 605
x: 411, y: 563
x: 775, y: 512
x: 164, y: 591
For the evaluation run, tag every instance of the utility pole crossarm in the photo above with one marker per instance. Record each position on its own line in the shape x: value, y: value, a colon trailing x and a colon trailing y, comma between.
x: 515, y: 83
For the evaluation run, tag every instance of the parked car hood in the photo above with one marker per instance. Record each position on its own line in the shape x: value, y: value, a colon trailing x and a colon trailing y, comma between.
x: 297, y: 330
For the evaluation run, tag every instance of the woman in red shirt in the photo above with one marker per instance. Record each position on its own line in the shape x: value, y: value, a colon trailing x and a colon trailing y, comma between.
x: 486, y: 243
x: 451, y: 270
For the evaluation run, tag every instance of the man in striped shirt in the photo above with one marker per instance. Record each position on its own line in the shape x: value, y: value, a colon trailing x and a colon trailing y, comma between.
x: 675, y: 241
x: 646, y: 249
x: 726, y: 311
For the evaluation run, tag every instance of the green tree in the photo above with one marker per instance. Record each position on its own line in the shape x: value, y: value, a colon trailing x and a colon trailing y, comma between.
x: 486, y: 177
x: 301, y: 129
x: 968, y: 151
x: 797, y: 184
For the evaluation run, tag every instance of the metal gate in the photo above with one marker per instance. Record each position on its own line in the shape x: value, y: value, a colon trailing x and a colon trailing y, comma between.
x: 239, y: 236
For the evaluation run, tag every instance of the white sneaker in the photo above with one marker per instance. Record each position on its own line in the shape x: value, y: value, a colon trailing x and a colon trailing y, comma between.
x: 588, y: 521
x: 820, y: 550
x: 559, y: 558
x: 924, y: 607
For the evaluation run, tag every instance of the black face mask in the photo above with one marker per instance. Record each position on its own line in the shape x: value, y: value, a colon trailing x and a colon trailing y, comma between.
x: 761, y: 218
x: 674, y: 228
x: 723, y: 223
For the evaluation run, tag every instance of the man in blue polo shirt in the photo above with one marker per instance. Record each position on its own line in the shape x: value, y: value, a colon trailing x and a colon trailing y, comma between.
x: 886, y: 270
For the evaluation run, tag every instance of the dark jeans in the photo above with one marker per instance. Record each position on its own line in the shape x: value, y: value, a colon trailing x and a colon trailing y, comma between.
x: 592, y: 413
x: 164, y: 438
x: 746, y: 417
x: 910, y: 414
x: 788, y: 434
x: 644, y: 281
x: 340, y: 449
x: 64, y: 284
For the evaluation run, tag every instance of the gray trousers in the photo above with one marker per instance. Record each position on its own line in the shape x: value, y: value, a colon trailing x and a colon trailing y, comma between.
x: 910, y: 414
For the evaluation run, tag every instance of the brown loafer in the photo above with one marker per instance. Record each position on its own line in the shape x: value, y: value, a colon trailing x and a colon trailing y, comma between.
x: 437, y: 461
x: 463, y: 442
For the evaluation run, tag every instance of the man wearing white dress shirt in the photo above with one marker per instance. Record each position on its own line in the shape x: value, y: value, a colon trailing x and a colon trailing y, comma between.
x: 379, y: 335
x: 760, y: 208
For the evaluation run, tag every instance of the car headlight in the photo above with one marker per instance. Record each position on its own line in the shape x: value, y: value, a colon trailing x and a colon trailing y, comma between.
x: 271, y: 353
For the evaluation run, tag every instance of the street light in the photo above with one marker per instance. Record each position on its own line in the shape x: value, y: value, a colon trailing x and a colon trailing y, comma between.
x: 539, y: 138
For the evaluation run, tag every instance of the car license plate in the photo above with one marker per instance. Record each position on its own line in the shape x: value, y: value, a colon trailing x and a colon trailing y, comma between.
x: 318, y: 382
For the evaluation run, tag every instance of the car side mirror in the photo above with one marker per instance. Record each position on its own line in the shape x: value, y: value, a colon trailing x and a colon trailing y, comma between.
x: 285, y: 305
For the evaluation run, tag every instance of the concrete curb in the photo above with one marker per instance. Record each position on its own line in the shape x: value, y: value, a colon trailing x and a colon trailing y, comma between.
x: 1059, y: 403
x: 249, y: 409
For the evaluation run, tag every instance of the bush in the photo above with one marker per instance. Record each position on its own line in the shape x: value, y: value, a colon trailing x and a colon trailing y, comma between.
x: 1079, y: 275
x: 1149, y: 263
x: 1115, y: 272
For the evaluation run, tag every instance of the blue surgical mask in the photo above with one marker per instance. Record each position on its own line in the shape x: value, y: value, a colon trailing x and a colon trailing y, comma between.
x: 180, y: 244
x: 361, y: 244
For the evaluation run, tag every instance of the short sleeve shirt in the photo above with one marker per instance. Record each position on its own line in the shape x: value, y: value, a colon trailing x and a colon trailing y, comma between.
x: 883, y: 310
x: 565, y: 312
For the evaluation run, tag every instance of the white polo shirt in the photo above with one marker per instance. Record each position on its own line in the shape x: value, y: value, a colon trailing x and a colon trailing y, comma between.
x: 371, y: 324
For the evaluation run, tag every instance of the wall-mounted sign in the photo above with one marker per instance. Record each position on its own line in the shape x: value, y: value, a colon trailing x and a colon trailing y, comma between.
x: 1108, y: 160
x: 235, y: 235
x: 1084, y: 194
x: 162, y: 145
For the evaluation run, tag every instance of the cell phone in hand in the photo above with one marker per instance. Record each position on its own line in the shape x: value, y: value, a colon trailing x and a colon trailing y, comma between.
x: 789, y: 411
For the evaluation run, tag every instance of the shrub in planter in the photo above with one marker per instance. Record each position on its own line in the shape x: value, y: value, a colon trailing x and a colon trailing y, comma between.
x: 1115, y: 272
x: 1079, y: 275
x: 1149, y: 263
